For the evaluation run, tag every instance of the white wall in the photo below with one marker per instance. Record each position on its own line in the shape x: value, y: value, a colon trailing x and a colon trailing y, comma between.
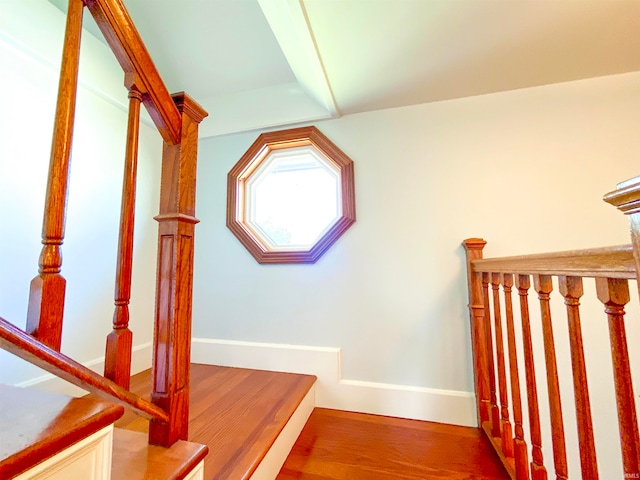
x: 384, y: 311
x: 524, y: 169
x: 31, y: 33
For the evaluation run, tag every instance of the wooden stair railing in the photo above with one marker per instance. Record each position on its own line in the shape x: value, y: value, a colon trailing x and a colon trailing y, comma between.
x: 611, y: 268
x: 176, y: 117
x: 26, y: 347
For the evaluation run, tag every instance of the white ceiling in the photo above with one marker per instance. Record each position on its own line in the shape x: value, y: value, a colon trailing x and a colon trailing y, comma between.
x: 264, y: 63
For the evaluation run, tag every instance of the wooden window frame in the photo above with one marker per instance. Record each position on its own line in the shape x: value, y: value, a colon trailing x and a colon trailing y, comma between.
x: 257, y: 153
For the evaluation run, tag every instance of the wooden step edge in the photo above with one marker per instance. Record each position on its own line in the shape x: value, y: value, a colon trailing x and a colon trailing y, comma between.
x: 36, y: 425
x: 134, y: 459
x: 271, y: 452
x: 275, y: 457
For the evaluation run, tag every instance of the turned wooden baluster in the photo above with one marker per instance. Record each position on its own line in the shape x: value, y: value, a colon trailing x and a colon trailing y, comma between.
x: 544, y: 286
x: 571, y: 290
x: 538, y: 470
x: 47, y: 290
x: 474, y: 248
x: 520, y: 446
x: 614, y: 293
x: 505, y: 423
x: 172, y: 333
x: 495, y: 413
x: 117, y: 365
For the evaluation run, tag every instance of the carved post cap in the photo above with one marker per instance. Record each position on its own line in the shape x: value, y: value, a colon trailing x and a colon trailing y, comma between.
x: 189, y: 106
x: 626, y: 197
x: 474, y: 243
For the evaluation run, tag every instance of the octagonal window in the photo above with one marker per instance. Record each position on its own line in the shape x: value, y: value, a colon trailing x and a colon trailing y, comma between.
x: 294, y: 198
x: 291, y: 196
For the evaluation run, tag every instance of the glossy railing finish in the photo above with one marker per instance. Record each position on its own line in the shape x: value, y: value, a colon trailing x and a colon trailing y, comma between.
x: 26, y: 347
x: 611, y: 262
x: 176, y: 117
x: 122, y: 36
x: 120, y: 341
x: 174, y: 282
x: 47, y: 289
x: 611, y: 268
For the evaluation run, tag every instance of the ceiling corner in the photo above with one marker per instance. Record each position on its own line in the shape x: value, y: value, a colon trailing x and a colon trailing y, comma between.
x: 290, y: 25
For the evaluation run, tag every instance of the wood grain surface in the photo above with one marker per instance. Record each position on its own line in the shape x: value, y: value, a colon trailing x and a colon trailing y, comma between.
x: 174, y: 278
x: 237, y: 412
x: 341, y: 445
x: 14, y: 340
x: 47, y: 290
x: 609, y: 262
x: 117, y: 364
x: 256, y: 155
x: 135, y: 459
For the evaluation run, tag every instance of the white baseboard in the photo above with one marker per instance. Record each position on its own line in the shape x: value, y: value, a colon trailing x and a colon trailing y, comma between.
x: 140, y: 360
x: 332, y: 391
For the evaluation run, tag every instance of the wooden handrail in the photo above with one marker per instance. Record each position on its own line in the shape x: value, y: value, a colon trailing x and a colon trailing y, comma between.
x: 28, y: 348
x: 607, y: 262
x: 127, y: 45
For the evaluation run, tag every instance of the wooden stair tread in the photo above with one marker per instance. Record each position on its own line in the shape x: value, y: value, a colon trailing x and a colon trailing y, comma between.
x: 134, y: 459
x: 35, y: 425
x: 237, y: 412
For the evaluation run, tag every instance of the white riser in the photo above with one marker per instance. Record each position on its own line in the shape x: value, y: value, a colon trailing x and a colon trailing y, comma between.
x: 89, y: 459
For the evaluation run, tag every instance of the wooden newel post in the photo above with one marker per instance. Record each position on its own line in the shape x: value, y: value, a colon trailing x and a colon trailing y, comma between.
x: 172, y: 336
x: 626, y: 198
x: 474, y: 247
x: 47, y: 289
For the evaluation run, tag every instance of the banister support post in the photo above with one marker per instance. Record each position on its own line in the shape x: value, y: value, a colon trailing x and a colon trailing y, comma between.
x: 172, y: 333
x: 117, y: 364
x: 47, y: 289
x: 474, y: 247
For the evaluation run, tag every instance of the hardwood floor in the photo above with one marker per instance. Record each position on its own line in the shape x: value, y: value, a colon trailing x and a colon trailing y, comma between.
x: 336, y: 445
x: 237, y: 412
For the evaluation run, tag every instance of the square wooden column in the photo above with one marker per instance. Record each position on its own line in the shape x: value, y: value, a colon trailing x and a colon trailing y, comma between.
x: 626, y: 198
x: 172, y: 333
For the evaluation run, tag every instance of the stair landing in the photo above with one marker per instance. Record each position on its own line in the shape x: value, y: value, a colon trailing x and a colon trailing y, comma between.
x: 35, y: 425
x: 240, y: 414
